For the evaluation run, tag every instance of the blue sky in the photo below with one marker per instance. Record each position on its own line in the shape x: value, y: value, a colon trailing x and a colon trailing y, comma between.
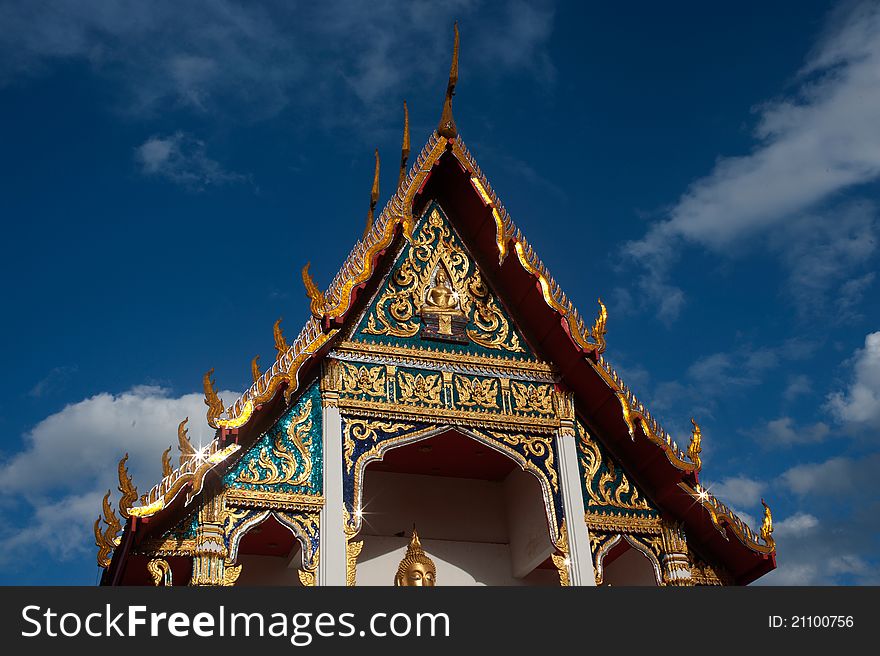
x: 711, y: 172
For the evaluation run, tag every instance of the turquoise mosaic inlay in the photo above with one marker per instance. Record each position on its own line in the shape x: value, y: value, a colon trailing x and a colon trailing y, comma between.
x: 287, y: 457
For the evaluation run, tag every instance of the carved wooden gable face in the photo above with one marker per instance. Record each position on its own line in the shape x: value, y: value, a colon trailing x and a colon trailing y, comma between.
x: 434, y: 292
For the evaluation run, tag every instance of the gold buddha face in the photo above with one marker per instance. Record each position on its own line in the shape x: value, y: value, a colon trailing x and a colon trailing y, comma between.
x: 417, y: 574
x: 416, y: 568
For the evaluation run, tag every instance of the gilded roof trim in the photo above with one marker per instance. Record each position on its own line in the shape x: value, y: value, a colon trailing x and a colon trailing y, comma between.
x: 724, y: 518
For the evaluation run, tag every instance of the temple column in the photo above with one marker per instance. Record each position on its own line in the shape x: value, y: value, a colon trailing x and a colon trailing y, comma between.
x: 332, y: 562
x: 675, y: 562
x: 210, y: 551
x: 580, y: 557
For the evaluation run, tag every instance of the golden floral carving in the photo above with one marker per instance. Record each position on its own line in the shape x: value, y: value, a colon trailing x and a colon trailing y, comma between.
x: 363, y: 429
x: 160, y: 572
x: 289, y: 471
x: 532, y: 398
x: 230, y: 573
x: 601, y: 492
x: 536, y: 445
x: 561, y: 560
x: 418, y: 388
x: 352, y: 548
x: 477, y: 392
x: 306, y: 578
x: 363, y: 380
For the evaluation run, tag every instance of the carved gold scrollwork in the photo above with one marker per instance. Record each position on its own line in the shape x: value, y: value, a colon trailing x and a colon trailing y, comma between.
x: 600, y: 487
x: 363, y: 380
x: 532, y: 398
x: 289, y: 470
x: 352, y: 548
x: 561, y: 560
x: 363, y: 429
x: 536, y: 445
x: 476, y: 392
x: 160, y: 572
x: 418, y: 388
x: 230, y: 573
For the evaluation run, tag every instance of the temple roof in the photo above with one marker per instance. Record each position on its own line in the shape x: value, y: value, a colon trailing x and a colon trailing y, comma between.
x: 446, y: 172
x: 445, y: 169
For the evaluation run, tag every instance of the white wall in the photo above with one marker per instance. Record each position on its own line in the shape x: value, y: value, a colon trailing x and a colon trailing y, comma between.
x: 464, y: 526
x: 630, y: 568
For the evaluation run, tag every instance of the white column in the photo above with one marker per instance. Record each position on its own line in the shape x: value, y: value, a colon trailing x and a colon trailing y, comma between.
x: 331, y: 566
x: 580, y: 557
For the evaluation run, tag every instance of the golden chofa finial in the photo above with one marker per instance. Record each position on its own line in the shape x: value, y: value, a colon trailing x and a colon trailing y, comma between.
x: 374, y: 197
x: 214, y: 402
x: 187, y: 452
x: 126, y: 488
x: 404, y: 150
x: 280, y: 342
x: 695, y: 447
x: 255, y: 368
x: 447, y: 128
x: 599, y: 327
x: 315, y: 295
x: 106, y: 541
x: 416, y: 568
x: 767, y: 525
x: 167, y: 470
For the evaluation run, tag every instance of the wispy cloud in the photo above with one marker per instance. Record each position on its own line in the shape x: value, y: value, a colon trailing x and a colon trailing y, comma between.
x: 720, y: 374
x: 740, y: 491
x: 182, y: 159
x: 810, y: 146
x: 784, y: 432
x: 52, y: 381
x: 254, y: 58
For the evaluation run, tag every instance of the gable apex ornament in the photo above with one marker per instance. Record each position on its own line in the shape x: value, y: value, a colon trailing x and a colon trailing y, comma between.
x: 446, y: 127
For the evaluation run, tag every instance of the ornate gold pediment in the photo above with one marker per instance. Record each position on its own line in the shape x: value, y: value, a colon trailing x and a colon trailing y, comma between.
x: 435, y: 287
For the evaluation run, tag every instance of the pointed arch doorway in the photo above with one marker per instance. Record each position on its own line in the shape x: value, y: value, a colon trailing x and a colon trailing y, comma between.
x: 479, y: 515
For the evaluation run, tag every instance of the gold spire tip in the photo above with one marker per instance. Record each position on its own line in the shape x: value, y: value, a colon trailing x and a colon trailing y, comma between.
x: 447, y: 128
x: 404, y: 149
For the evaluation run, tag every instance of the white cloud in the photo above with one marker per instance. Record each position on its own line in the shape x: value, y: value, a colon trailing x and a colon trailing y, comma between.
x: 69, y: 461
x: 739, y: 491
x: 784, y: 432
x: 799, y: 385
x: 859, y: 406
x: 182, y: 159
x: 836, y: 477
x: 809, y: 148
x: 798, y: 524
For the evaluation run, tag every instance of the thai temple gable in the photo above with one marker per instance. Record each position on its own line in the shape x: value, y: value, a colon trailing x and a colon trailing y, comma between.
x: 443, y: 334
x: 471, y: 319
